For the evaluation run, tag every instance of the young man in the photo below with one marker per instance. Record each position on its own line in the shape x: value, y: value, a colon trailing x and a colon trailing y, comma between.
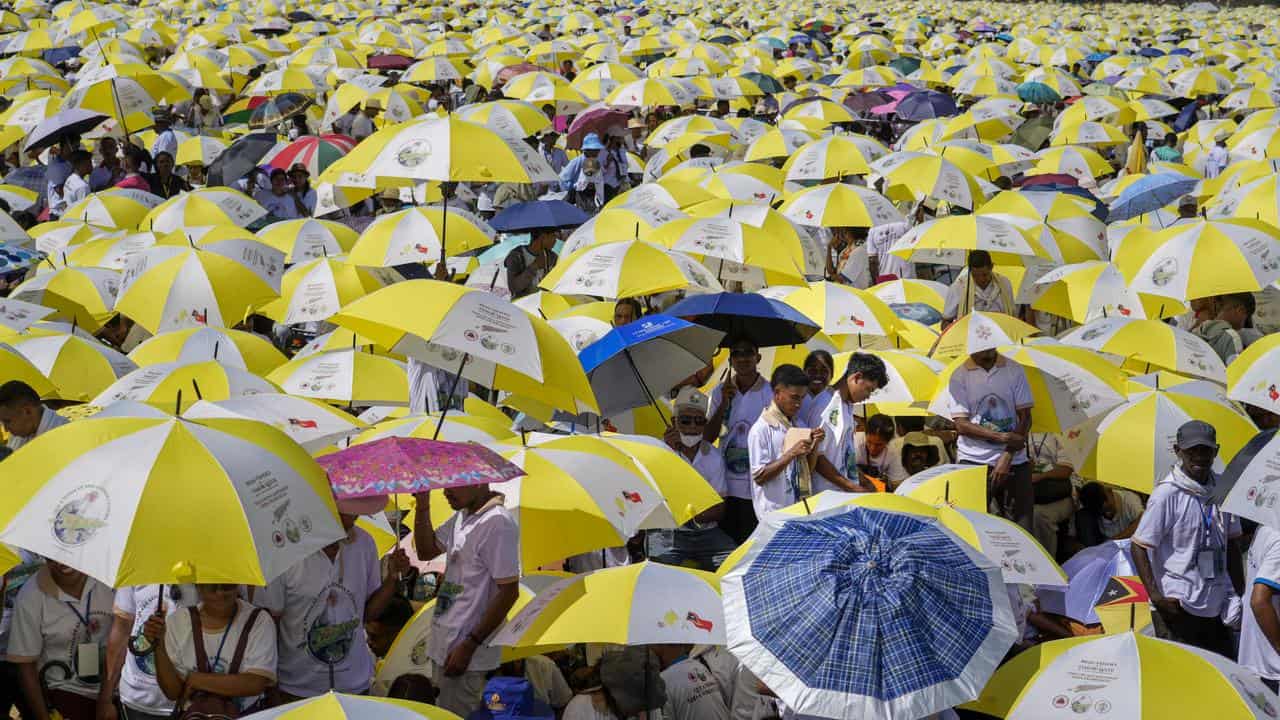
x: 979, y: 288
x: 875, y: 457
x: 22, y: 414
x: 782, y: 473
x: 699, y: 542
x: 992, y: 411
x: 736, y: 404
x: 321, y: 606
x: 526, y: 265
x: 480, y: 542
x: 1260, y: 621
x: 863, y: 375
x: 1186, y: 550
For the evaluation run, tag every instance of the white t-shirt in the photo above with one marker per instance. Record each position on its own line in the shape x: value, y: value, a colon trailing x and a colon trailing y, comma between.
x: 990, y: 399
x: 693, y: 693
x: 361, y: 126
x: 220, y: 645
x: 743, y: 413
x: 74, y: 190
x: 1180, y: 523
x: 1130, y: 509
x: 1256, y: 652
x: 320, y: 604
x: 581, y: 707
x: 988, y: 299
x: 139, y: 688
x: 813, y: 406
x: 481, y: 551
x: 49, y: 626
x: 281, y: 206
x: 764, y: 442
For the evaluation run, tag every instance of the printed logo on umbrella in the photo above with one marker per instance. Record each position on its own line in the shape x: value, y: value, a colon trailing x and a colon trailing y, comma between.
x: 80, y: 515
x: 691, y: 619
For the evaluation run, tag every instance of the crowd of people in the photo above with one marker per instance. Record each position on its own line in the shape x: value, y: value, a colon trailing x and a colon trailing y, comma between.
x: 766, y: 426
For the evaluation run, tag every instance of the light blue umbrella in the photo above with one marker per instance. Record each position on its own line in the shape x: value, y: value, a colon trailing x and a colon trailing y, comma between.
x: 1150, y: 193
x: 1088, y: 573
x: 866, y: 614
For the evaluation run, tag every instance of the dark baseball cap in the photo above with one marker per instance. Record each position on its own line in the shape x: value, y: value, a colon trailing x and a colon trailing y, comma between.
x: 1196, y: 433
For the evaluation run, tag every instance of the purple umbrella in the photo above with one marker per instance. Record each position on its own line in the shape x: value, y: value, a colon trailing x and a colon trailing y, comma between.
x: 866, y: 101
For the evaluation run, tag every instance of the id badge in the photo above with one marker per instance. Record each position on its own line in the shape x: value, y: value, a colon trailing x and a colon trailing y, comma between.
x: 87, y: 661
x: 1207, y: 564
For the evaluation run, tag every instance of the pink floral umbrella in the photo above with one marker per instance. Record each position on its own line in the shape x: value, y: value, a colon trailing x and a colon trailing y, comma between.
x: 412, y: 465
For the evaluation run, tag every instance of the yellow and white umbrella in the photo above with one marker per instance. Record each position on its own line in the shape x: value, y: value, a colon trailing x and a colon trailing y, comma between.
x: 1202, y: 258
x: 79, y: 368
x: 83, y: 295
x: 515, y: 119
x: 206, y: 206
x: 16, y: 366
x: 171, y: 288
x: 1148, y: 345
x: 728, y: 239
x: 1251, y: 377
x: 116, y: 207
x: 978, y: 331
x: 317, y: 289
x: 839, y: 205
x: 310, y: 423
x: 1087, y: 291
x: 163, y: 385
x: 834, y: 157
x: 200, y: 150
x: 916, y: 176
x: 350, y: 376
x: 457, y: 427
x: 839, y: 309
x: 628, y: 269
x: 308, y: 238
x: 127, y: 500
x: 230, y: 347
x: 420, y: 234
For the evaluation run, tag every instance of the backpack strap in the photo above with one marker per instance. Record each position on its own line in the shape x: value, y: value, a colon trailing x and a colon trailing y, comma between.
x: 243, y: 642
x: 197, y: 639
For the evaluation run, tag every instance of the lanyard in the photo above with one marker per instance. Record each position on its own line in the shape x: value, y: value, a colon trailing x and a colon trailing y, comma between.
x: 213, y: 666
x: 1207, y: 513
x: 88, y: 604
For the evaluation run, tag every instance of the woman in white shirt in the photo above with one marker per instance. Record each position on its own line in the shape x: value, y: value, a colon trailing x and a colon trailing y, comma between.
x: 228, y: 627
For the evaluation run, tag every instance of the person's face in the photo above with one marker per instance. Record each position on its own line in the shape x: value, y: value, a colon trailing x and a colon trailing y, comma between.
x: 1234, y: 314
x: 108, y: 148
x: 860, y: 388
x: 623, y: 313
x: 462, y: 497
x: 981, y: 276
x: 63, y: 572
x: 690, y: 422
x: 299, y: 178
x: 348, y: 521
x: 380, y: 636
x: 915, y: 459
x: 219, y: 598
x: 819, y: 375
x: 278, y: 184
x: 164, y: 164
x: 1197, y: 462
x: 984, y: 359
x: 875, y: 444
x: 744, y: 358
x: 21, y: 419
x: 789, y: 398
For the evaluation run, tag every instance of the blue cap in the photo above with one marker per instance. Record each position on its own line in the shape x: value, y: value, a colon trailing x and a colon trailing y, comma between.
x: 511, y: 698
x: 592, y: 142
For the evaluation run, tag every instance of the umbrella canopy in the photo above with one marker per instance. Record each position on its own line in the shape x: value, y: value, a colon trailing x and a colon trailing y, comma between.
x: 525, y: 216
x: 65, y: 124
x: 412, y: 465
x: 763, y: 321
x: 862, y: 613
x: 243, y: 156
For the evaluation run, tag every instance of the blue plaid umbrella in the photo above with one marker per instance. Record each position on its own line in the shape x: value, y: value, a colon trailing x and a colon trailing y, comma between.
x: 859, y: 613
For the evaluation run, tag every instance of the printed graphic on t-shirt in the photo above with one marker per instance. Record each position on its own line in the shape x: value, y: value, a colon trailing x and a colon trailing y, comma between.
x: 994, y: 413
x: 332, y: 621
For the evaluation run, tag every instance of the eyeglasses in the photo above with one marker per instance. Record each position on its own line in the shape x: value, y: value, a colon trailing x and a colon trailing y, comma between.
x: 691, y: 420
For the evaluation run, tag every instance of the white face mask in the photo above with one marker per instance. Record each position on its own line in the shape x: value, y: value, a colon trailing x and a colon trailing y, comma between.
x: 690, y: 440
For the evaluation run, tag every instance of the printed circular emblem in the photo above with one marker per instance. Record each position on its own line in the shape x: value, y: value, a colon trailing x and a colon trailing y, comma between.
x: 414, y: 153
x: 1164, y: 271
x: 80, y: 514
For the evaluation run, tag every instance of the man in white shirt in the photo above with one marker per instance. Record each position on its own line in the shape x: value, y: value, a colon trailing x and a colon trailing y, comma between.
x: 979, y: 288
x: 1186, y: 550
x: 76, y: 187
x: 782, y: 471
x: 1260, y: 621
x: 166, y: 139
x: 699, y: 542
x: 321, y: 605
x: 992, y: 411
x: 693, y: 691
x: 362, y: 124
x: 864, y: 374
x: 480, y: 542
x: 736, y: 404
x: 134, y: 675
x: 23, y: 416
x: 277, y: 199
x: 1217, y: 160
x: 1055, y: 501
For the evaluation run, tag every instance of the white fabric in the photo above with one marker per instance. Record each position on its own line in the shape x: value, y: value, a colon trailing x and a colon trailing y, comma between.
x: 481, y: 551
x: 321, y: 604
x: 840, y: 443
x: 138, y: 686
x: 45, y: 628
x: 1174, y: 530
x: 988, y: 299
x: 693, y: 693
x: 549, y: 685
x: 582, y: 708
x: 884, y: 462
x: 1216, y: 161
x: 880, y: 239
x: 74, y: 190
x: 166, y: 141
x: 710, y: 465
x: 990, y: 399
x: 259, y: 653
x: 48, y: 421
x: 743, y: 413
x: 1130, y: 509
x: 280, y: 206
x: 1256, y: 652
x: 361, y: 126
x: 764, y: 444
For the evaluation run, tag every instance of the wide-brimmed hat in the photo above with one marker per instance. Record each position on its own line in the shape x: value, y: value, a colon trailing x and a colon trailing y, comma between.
x: 592, y: 142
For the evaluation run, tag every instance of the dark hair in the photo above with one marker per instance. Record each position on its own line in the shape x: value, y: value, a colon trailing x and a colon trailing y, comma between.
x: 637, y: 310
x: 788, y: 375
x: 80, y: 156
x: 881, y: 426
x: 1092, y: 497
x: 822, y: 355
x: 869, y: 366
x: 163, y: 153
x: 278, y: 171
x: 16, y: 392
x: 1240, y: 299
x: 414, y: 687
x: 980, y: 259
x: 741, y: 340
x: 909, y: 423
x: 397, y: 612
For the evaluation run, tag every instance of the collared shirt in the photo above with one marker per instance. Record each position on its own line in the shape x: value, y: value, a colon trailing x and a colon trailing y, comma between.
x: 49, y: 626
x: 764, y: 446
x: 74, y: 190
x: 1180, y: 522
x: 990, y: 398
x: 48, y: 421
x: 320, y: 603
x: 744, y: 410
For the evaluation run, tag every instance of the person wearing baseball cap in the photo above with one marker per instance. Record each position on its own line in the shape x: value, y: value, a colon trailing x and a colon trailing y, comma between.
x: 699, y: 542
x: 1186, y: 550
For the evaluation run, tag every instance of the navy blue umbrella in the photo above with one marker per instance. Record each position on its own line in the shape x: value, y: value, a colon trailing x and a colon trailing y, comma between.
x: 538, y: 214
x: 632, y: 365
x: 1150, y: 193
x: 763, y: 321
x: 926, y: 105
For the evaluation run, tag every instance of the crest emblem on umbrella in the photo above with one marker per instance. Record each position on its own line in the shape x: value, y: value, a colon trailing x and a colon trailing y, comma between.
x: 80, y: 515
